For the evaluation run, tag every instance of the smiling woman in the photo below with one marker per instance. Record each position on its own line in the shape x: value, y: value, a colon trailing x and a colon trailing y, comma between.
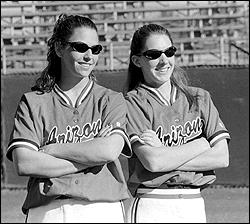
x: 177, y: 136
x: 69, y: 132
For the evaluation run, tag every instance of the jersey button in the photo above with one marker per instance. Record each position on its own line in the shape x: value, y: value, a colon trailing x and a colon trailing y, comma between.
x: 77, y: 181
x: 75, y: 120
x: 177, y: 120
x: 75, y: 112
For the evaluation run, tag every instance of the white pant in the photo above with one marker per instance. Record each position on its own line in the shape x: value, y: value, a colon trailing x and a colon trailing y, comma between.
x: 77, y: 211
x: 178, y: 209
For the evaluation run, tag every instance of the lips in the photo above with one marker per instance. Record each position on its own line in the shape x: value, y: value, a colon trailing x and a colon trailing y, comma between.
x: 84, y: 63
x: 163, y: 69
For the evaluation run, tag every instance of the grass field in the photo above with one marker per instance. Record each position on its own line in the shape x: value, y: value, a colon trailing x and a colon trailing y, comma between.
x: 223, y: 205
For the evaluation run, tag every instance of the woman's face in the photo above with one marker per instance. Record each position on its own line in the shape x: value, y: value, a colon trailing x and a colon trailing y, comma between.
x: 158, y: 71
x: 77, y: 64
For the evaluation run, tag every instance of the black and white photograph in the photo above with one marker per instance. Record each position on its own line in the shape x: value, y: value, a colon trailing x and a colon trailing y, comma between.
x: 124, y: 111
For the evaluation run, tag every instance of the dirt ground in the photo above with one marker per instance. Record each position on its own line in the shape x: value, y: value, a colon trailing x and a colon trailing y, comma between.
x: 223, y: 205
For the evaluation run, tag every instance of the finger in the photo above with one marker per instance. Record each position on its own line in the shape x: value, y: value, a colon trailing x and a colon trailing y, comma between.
x: 150, y: 143
x: 149, y: 132
x: 146, y: 135
x: 146, y: 138
x: 149, y: 135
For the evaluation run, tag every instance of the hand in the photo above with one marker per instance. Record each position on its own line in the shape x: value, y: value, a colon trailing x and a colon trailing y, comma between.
x: 150, y: 138
x: 104, y: 132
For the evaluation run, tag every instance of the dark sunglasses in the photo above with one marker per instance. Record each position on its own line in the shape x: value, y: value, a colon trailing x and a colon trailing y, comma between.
x: 154, y: 54
x: 82, y: 47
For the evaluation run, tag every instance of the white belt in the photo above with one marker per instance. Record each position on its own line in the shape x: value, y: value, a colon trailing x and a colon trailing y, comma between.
x: 168, y: 193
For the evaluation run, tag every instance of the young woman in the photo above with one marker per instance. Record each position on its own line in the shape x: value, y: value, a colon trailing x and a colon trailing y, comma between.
x: 177, y: 136
x: 69, y: 132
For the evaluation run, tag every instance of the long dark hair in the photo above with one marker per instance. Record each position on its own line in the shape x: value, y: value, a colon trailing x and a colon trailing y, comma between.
x: 179, y: 77
x: 63, y: 29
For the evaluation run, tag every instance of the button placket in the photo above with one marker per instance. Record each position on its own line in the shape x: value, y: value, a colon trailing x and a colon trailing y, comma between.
x: 75, y: 118
x: 77, y: 182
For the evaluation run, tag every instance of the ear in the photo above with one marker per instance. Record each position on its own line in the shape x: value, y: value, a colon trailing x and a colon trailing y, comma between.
x: 136, y: 61
x: 58, y: 48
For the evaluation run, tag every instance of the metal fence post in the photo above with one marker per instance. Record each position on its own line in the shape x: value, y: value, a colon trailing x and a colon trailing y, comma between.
x: 4, y: 59
x: 222, y: 49
x: 111, y: 56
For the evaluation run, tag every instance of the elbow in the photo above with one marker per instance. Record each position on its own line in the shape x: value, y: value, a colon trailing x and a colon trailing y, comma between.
x: 21, y: 170
x: 225, y: 163
x: 112, y: 154
x: 114, y: 150
x: 156, y: 168
x: 22, y: 163
x: 149, y: 164
x: 154, y: 165
x: 224, y: 154
x: 225, y: 160
x: 150, y: 167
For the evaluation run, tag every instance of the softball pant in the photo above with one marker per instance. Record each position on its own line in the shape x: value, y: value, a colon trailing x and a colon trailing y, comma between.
x: 77, y: 211
x: 166, y: 206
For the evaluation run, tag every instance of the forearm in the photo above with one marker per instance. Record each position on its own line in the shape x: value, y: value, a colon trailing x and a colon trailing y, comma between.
x: 214, y: 158
x: 164, y: 159
x: 37, y: 164
x: 94, y: 152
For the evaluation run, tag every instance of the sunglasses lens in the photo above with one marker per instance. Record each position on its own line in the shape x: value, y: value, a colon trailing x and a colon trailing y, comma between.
x: 80, y: 47
x: 152, y: 54
x: 170, y: 52
x: 96, y: 49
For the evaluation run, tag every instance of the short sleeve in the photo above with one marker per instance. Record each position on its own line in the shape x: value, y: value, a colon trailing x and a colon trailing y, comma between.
x: 138, y: 117
x: 24, y: 133
x: 215, y: 129
x: 115, y: 115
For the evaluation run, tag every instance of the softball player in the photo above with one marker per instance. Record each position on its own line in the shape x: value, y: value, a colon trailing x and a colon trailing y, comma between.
x: 175, y: 131
x: 69, y: 132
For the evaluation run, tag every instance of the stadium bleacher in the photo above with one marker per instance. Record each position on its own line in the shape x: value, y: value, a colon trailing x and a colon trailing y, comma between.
x: 205, y: 32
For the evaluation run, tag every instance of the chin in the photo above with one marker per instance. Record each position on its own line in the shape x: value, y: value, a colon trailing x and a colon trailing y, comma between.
x: 82, y: 74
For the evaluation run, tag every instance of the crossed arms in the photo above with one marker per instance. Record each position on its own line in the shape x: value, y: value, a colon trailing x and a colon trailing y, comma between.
x: 196, y: 155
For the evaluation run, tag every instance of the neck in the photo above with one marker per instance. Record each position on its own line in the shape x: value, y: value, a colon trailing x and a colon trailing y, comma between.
x: 68, y: 84
x: 74, y: 89
x: 165, y: 90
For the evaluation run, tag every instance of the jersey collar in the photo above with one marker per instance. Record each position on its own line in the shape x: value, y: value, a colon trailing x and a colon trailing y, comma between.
x: 155, y: 92
x: 86, y: 90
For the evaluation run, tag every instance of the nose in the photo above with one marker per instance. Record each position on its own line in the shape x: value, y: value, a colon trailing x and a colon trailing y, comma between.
x: 88, y: 55
x: 163, y: 57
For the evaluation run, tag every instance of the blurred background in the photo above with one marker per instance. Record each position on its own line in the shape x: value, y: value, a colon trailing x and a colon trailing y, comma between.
x: 204, y: 32
x: 212, y: 40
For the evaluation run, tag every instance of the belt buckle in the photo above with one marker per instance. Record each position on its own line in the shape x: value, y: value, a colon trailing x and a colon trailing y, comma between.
x: 180, y: 196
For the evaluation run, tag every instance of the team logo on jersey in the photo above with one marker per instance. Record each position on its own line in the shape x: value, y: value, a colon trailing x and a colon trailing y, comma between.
x: 75, y: 133
x: 181, y: 134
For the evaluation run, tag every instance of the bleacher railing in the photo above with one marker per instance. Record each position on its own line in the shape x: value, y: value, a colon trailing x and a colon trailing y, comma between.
x: 212, y: 33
